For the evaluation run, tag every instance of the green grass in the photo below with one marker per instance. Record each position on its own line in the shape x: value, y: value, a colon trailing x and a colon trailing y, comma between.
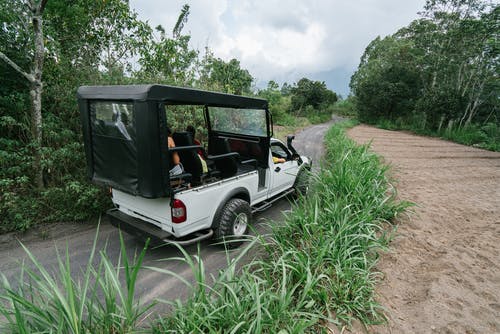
x: 486, y: 136
x: 316, y: 268
x: 281, y: 131
x: 56, y: 303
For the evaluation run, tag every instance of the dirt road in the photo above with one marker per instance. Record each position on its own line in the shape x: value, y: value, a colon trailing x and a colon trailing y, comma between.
x: 442, y: 273
x: 78, y: 238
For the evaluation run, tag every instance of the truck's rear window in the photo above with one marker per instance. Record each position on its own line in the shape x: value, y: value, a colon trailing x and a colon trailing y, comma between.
x: 240, y: 121
x: 113, y: 118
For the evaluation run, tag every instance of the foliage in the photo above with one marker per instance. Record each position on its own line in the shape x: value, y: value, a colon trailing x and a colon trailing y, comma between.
x: 439, y: 72
x: 279, y: 105
x: 81, y: 37
x: 383, y: 85
x: 181, y: 20
x: 227, y: 77
x: 311, y: 93
x: 306, y: 98
x: 167, y: 60
x: 92, y: 34
x: 56, y: 303
x: 345, y: 107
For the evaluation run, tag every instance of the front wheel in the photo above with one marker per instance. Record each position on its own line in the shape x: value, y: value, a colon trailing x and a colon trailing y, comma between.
x: 301, y: 185
x: 232, y: 222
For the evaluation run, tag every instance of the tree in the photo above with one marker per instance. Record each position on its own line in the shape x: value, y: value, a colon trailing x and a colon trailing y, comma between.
x: 33, y: 11
x: 311, y: 93
x: 442, y: 69
x: 84, y: 42
x: 460, y: 55
x: 227, y: 77
x: 168, y: 59
x: 89, y: 34
x: 286, y: 89
x: 181, y: 20
x: 386, y: 84
x: 272, y: 93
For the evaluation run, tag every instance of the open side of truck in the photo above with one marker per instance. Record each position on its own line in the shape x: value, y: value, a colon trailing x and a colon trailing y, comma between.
x: 125, y: 136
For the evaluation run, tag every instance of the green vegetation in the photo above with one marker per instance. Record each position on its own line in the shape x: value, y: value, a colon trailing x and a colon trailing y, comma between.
x: 282, y: 131
x: 345, y: 107
x: 485, y: 136
x: 314, y: 269
x: 306, y: 98
x: 86, y: 42
x: 437, y: 76
x: 57, y: 303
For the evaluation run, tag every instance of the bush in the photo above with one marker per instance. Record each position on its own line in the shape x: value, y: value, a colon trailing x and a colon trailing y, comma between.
x: 491, y: 136
x: 440, y: 107
x: 321, y: 115
x: 345, y: 107
x: 75, y: 201
x: 66, y: 198
x: 279, y: 108
x: 486, y: 136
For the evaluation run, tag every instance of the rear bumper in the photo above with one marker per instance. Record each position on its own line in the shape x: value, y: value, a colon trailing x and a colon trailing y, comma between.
x: 146, y: 230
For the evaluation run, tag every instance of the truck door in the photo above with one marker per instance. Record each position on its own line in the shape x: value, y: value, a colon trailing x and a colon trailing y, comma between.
x: 284, y: 171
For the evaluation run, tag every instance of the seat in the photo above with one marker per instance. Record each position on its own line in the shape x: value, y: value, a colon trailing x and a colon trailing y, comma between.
x: 189, y: 157
x: 228, y: 166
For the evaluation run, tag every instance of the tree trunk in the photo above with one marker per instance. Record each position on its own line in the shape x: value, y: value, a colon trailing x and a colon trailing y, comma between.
x: 35, y: 79
x: 36, y: 95
x: 36, y: 132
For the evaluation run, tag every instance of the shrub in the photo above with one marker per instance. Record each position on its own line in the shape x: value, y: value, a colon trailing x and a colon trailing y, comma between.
x: 486, y: 136
x: 345, y: 107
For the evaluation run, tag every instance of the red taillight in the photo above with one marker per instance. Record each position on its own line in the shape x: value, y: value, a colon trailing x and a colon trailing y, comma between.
x: 178, y: 211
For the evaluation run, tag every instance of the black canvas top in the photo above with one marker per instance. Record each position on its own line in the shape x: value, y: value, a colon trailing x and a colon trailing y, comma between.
x: 125, y: 132
x: 171, y: 94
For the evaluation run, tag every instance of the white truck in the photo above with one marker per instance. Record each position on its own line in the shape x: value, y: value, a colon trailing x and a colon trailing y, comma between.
x: 243, y: 171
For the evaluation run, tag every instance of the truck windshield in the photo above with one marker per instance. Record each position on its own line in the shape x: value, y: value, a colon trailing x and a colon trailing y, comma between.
x: 240, y: 121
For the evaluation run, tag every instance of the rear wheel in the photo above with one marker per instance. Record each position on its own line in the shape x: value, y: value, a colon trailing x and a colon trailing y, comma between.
x: 232, y: 222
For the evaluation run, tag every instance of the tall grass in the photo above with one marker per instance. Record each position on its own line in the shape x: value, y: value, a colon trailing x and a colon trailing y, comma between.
x: 486, y: 136
x: 342, y: 225
x: 259, y: 297
x: 57, y: 303
x: 315, y: 269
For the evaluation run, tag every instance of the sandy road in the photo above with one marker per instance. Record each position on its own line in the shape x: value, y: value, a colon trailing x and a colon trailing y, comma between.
x: 442, y: 273
x: 78, y: 238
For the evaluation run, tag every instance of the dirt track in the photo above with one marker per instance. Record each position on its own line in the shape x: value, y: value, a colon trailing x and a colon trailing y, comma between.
x: 442, y: 274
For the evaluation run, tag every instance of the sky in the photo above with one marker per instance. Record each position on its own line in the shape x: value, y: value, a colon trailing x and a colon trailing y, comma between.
x: 287, y: 40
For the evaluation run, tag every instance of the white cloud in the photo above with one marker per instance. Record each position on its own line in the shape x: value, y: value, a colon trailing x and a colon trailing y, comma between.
x: 284, y: 40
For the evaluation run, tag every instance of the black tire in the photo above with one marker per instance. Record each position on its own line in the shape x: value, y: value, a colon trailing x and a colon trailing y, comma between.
x: 302, y: 183
x: 231, y: 224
